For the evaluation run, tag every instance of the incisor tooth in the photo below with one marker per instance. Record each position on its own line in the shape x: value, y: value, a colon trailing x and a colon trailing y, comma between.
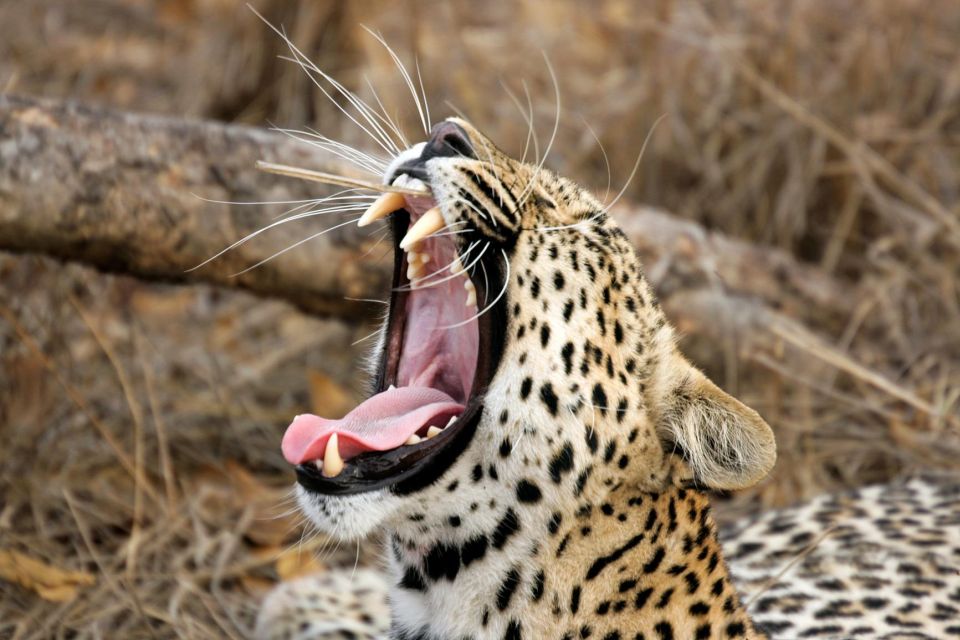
x: 431, y: 222
x: 432, y: 431
x: 424, y: 258
x: 413, y: 439
x: 381, y: 207
x: 332, y: 462
x: 413, y: 270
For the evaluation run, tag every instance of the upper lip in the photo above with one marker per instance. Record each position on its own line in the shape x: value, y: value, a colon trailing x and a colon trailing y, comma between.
x: 407, y: 469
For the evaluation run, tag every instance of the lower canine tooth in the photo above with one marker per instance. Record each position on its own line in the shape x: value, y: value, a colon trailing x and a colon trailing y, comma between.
x: 332, y: 462
x: 471, y: 299
x: 432, y: 431
x: 413, y: 439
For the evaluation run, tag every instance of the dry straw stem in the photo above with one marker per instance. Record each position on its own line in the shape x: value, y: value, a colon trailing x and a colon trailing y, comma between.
x: 77, y: 398
x: 809, y: 343
x: 329, y: 178
x: 859, y: 152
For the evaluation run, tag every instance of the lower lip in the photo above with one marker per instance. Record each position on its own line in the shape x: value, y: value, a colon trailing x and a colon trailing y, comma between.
x: 403, y: 470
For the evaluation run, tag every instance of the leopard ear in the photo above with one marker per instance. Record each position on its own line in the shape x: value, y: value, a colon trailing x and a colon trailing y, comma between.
x: 726, y: 444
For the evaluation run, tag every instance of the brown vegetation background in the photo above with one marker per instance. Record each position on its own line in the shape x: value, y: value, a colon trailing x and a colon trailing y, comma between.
x: 142, y: 491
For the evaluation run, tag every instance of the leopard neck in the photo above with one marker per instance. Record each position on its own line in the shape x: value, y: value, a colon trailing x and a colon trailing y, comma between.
x: 632, y: 565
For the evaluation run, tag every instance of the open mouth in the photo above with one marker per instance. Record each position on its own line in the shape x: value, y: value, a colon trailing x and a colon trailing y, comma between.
x: 438, y: 357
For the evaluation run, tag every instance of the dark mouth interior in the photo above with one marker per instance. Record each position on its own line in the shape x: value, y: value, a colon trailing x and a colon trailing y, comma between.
x: 437, y: 360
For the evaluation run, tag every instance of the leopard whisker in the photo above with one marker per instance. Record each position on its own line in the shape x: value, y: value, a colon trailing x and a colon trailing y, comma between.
x: 636, y: 165
x: 423, y: 92
x: 528, y: 118
x: 369, y: 335
x: 277, y: 223
x: 295, y: 245
x: 503, y: 290
x: 304, y: 62
x: 581, y: 223
x: 377, y: 243
x: 379, y: 134
x: 405, y: 75
x: 606, y: 159
x: 362, y: 160
x: 390, y: 121
x: 486, y: 284
x: 553, y: 136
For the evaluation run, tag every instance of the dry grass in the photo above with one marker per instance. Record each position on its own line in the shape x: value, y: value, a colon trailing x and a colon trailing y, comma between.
x: 140, y: 423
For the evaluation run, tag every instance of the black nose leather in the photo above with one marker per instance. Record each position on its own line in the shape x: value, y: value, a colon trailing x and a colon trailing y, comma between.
x: 448, y: 139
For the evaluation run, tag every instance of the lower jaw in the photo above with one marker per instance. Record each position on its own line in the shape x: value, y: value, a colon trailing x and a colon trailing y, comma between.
x: 410, y: 468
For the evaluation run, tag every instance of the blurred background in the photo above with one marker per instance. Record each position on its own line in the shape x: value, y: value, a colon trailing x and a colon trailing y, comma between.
x: 807, y: 169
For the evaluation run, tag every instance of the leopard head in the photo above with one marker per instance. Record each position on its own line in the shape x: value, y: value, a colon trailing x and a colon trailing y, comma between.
x: 524, y: 361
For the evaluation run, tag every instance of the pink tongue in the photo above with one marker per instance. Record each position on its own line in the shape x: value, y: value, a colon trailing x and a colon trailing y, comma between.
x: 382, y: 422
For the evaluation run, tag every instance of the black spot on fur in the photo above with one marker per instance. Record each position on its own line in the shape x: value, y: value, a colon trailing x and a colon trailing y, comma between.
x: 473, y: 549
x: 561, y: 463
x: 642, y: 596
x: 442, y: 561
x: 412, y: 580
x: 601, y: 563
x: 528, y: 492
x: 508, y: 588
x: 525, y: 387
x: 536, y: 590
x: 507, y: 526
x: 655, y: 561
x: 549, y: 398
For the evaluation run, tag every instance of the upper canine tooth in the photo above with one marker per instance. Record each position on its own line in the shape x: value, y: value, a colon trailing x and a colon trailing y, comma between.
x: 431, y: 222
x: 381, y: 207
x: 332, y: 462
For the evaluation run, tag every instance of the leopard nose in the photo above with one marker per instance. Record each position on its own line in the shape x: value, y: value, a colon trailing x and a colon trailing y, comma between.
x: 448, y: 139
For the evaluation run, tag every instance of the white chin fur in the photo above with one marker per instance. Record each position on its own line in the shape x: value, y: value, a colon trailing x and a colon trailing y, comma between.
x: 348, y: 517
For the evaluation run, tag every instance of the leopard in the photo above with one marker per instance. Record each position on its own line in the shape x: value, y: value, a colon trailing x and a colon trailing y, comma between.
x: 539, y: 457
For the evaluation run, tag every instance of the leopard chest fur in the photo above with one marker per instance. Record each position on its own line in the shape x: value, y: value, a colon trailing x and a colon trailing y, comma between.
x: 635, y: 565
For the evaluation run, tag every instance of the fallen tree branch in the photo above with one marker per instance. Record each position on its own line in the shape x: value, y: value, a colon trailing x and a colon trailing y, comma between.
x: 117, y: 191
x: 123, y: 192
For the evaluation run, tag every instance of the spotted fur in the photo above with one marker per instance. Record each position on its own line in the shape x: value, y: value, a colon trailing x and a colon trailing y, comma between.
x: 578, y: 510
